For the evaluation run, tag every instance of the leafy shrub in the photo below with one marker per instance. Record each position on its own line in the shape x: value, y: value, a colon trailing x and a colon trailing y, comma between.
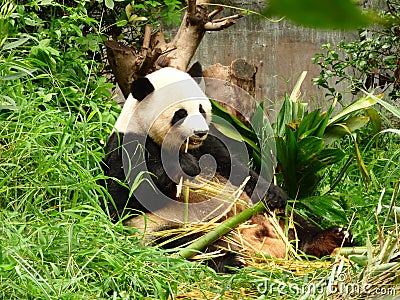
x: 368, y: 63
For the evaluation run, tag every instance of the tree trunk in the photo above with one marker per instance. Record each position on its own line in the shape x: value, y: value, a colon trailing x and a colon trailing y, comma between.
x: 128, y: 63
x: 239, y: 94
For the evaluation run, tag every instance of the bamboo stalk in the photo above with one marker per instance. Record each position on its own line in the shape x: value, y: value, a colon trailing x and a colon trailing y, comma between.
x: 220, y: 231
x: 346, y: 251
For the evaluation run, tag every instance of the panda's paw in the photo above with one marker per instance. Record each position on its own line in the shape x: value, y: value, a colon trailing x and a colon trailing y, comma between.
x: 226, y: 263
x: 327, y: 241
x: 189, y: 164
x: 275, y: 198
x: 340, y: 236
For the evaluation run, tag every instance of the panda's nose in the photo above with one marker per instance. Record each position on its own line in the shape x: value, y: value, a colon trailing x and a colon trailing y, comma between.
x: 200, y: 133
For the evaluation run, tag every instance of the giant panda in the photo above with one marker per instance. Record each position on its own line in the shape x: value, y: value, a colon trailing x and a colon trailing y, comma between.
x: 162, y: 135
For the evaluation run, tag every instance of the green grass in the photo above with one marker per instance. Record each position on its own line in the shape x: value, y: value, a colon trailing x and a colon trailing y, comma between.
x: 56, y: 243
x: 56, y: 113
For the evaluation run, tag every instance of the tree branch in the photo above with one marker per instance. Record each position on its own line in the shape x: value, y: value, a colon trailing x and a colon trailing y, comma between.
x: 192, y: 15
x: 127, y: 64
x: 222, y: 23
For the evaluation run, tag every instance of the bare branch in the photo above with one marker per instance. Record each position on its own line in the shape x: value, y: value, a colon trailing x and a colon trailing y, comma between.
x: 191, y: 7
x: 193, y: 18
x: 215, y: 12
x: 146, y: 40
x: 222, y: 23
x: 156, y: 42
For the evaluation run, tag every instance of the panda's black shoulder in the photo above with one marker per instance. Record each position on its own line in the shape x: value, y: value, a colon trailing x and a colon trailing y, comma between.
x: 215, y: 145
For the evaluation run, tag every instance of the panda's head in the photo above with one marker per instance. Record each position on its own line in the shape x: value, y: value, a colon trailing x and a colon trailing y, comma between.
x: 171, y: 108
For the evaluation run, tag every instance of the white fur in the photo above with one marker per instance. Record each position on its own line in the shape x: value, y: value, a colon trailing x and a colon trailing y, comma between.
x: 152, y: 116
x: 125, y: 115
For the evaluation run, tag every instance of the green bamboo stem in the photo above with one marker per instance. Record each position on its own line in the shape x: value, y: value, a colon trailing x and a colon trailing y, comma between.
x: 221, y: 230
x: 346, y: 251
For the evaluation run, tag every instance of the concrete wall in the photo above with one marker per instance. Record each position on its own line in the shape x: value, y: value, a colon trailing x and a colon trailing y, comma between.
x: 280, y: 50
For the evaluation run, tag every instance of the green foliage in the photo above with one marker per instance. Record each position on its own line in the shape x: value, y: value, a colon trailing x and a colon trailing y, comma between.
x: 125, y: 19
x: 57, y: 243
x: 56, y: 112
x: 301, y: 151
x: 333, y: 14
x: 52, y: 104
x: 302, y: 140
x: 370, y: 62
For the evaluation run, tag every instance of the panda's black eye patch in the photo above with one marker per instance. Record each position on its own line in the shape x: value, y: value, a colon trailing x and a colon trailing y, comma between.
x: 202, y: 111
x: 179, y: 116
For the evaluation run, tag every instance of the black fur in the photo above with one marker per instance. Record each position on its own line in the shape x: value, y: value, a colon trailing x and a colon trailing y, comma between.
x: 273, y: 195
x: 189, y: 164
x: 317, y: 242
x: 196, y: 71
x: 179, y: 116
x: 141, y: 87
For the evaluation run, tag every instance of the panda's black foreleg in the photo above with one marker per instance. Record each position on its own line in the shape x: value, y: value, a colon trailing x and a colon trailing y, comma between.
x: 260, y: 189
x: 316, y: 242
x: 233, y: 169
x: 167, y: 169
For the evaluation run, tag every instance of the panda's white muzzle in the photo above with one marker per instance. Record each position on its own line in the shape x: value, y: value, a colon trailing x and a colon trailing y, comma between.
x: 195, y: 128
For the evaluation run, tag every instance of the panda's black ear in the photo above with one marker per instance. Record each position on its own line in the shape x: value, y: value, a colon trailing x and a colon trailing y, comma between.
x: 196, y: 71
x: 141, y: 87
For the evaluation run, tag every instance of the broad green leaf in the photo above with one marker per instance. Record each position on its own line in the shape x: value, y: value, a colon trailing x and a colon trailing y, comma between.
x: 333, y: 14
x: 360, y: 162
x: 287, y: 156
x: 308, y: 148
x: 14, y: 76
x: 336, y: 132
x: 15, y: 44
x: 289, y: 113
x: 258, y: 119
x: 361, y: 260
x: 326, y: 207
x: 391, y: 130
x: 229, y: 131
x: 109, y: 4
x: 312, y: 124
x: 394, y: 110
x: 218, y: 110
x: 330, y: 156
x: 128, y: 10
x: 363, y: 102
x: 376, y: 120
x: 232, y: 133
